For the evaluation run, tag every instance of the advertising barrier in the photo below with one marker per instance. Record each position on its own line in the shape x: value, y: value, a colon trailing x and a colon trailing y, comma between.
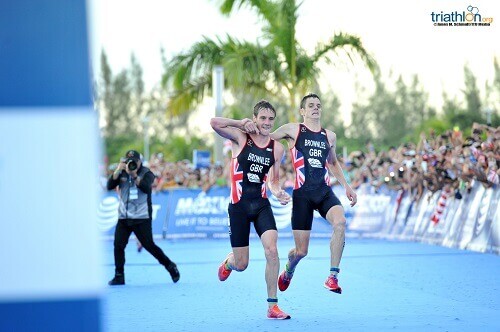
x: 192, y: 213
x: 196, y: 214
x: 107, y: 212
x: 470, y: 223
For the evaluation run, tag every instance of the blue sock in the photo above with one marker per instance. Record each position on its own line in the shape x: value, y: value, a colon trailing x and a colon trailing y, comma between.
x: 272, y: 301
x: 334, y: 270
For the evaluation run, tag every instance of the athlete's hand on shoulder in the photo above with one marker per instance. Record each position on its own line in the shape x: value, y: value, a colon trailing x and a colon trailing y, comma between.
x: 249, y: 126
x: 283, y: 197
x: 351, y: 195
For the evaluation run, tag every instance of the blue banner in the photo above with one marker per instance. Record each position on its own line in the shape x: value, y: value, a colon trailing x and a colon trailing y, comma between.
x: 201, y: 159
x: 108, y: 212
x: 196, y: 214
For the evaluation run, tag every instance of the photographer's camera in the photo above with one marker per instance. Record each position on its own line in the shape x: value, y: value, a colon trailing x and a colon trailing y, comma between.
x: 131, y: 164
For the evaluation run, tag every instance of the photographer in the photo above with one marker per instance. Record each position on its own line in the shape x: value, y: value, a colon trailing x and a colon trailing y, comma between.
x: 135, y: 214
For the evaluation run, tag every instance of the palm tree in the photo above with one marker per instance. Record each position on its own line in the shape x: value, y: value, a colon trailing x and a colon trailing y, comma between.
x: 280, y: 69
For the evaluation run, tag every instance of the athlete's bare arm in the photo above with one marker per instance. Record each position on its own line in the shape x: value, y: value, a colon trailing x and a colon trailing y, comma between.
x: 274, y: 175
x: 234, y: 130
x: 334, y: 167
x: 287, y: 132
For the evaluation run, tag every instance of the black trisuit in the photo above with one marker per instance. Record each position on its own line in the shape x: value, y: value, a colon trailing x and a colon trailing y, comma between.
x: 249, y: 200
x: 312, y: 183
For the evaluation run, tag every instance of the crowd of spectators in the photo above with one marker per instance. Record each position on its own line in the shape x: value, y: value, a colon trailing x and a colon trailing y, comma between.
x: 448, y: 161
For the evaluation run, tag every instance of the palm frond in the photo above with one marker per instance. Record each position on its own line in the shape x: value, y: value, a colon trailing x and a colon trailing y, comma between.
x: 266, y: 9
x: 189, y: 96
x: 283, y: 29
x: 351, y: 45
x: 247, y: 66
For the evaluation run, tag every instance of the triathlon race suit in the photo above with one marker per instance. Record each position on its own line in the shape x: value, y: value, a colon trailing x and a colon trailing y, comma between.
x: 312, y: 183
x: 249, y: 201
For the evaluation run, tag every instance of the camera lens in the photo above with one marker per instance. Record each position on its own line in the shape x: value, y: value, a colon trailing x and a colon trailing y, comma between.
x: 132, y: 165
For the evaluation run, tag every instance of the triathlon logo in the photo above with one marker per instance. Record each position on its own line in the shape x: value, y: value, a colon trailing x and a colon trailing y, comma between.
x: 468, y: 17
x: 249, y: 142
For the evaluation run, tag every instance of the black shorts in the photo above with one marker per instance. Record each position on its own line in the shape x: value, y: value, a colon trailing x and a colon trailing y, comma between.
x: 306, y: 201
x: 241, y: 214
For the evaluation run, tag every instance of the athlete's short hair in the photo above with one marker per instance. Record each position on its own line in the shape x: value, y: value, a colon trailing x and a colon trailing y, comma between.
x: 303, y: 101
x: 263, y: 104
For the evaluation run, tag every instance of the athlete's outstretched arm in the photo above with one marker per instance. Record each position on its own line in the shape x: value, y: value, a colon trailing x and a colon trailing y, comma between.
x: 274, y: 175
x: 334, y: 167
x: 287, y: 131
x: 233, y: 129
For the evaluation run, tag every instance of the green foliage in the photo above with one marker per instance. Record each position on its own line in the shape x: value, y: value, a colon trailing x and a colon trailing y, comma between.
x: 278, y: 69
x: 393, y: 116
x: 175, y: 148
x: 114, y: 99
x: 435, y: 124
x: 181, y: 147
x: 389, y: 115
x: 116, y: 146
x: 472, y: 111
x: 471, y: 93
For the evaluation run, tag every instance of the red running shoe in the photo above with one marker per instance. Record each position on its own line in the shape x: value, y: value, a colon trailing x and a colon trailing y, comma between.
x: 284, y: 281
x: 275, y: 313
x: 332, y: 284
x: 223, y: 272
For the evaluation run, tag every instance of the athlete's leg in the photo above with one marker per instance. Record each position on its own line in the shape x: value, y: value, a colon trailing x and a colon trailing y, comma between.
x: 238, y: 259
x: 336, y: 217
x: 301, y: 238
x: 269, y: 240
x: 302, y: 217
x: 239, y: 234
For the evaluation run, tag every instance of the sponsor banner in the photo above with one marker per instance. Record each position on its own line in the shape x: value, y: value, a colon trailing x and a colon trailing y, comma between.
x: 196, y: 214
x: 483, y: 229
x: 401, y: 215
x: 495, y: 229
x: 107, y: 213
x: 468, y: 223
x: 455, y: 223
x: 470, y: 218
x: 436, y: 231
x: 424, y: 218
x: 412, y: 216
x: 452, y: 210
x: 201, y: 159
x: 372, y: 211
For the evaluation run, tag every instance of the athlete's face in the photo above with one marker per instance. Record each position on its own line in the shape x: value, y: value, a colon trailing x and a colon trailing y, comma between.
x: 312, y: 108
x: 264, y: 121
